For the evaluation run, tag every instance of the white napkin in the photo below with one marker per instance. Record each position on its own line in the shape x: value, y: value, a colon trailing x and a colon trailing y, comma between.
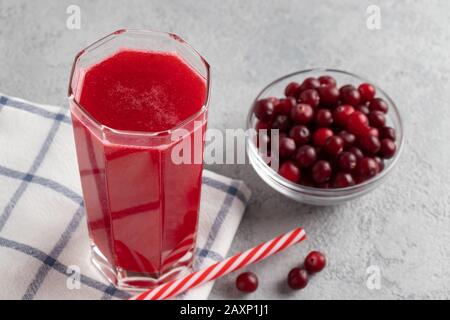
x: 43, y: 233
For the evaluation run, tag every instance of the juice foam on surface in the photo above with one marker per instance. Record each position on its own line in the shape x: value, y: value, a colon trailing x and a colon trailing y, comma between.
x: 142, y: 91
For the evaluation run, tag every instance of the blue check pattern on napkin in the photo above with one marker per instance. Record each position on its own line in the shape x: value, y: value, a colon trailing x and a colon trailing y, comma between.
x: 43, y: 233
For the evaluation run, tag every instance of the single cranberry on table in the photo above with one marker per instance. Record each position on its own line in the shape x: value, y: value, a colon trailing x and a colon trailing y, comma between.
x: 367, y: 168
x: 281, y: 122
x: 349, y: 138
x: 292, y: 89
x: 367, y: 91
x: 387, y: 133
x: 311, y: 97
x: 327, y: 81
x: 387, y: 149
x: 300, y: 134
x: 377, y: 119
x: 321, y: 135
x: 378, y: 104
x: 247, y: 282
x: 343, y: 180
x: 369, y: 144
x: 347, y: 161
x: 342, y: 113
x: 315, y: 261
x: 358, y: 123
x: 334, y: 145
x: 321, y: 171
x: 310, y: 83
x: 302, y: 113
x: 305, y: 156
x: 323, y: 118
x: 329, y: 95
x: 286, y: 147
x: 290, y: 171
x: 297, y: 278
x: 264, y: 109
x: 285, y: 105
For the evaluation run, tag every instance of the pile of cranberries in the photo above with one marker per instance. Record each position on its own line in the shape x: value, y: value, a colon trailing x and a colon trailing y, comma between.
x: 330, y: 137
x: 297, y: 278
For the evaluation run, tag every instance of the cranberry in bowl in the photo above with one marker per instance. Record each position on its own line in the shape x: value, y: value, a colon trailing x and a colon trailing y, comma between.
x: 339, y: 135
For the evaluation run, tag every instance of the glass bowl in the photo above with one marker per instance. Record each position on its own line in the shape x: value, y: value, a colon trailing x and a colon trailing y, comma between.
x: 311, y: 195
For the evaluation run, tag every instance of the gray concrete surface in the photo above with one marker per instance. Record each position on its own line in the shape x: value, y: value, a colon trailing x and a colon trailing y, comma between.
x: 402, y: 227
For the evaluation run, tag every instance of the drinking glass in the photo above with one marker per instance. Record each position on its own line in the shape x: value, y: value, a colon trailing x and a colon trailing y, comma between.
x: 142, y: 208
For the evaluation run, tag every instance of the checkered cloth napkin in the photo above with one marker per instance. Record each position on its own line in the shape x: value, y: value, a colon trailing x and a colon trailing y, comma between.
x: 43, y: 233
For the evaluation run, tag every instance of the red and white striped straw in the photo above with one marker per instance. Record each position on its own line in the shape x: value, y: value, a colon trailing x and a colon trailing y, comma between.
x: 219, y: 269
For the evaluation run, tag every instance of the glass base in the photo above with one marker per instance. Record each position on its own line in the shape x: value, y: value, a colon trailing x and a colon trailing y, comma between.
x: 136, y: 281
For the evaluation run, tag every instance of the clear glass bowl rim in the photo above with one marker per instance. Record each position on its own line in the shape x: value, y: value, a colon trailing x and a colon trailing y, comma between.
x: 393, y: 111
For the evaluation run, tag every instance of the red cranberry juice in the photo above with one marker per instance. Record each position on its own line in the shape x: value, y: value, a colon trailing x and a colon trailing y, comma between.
x: 142, y: 209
